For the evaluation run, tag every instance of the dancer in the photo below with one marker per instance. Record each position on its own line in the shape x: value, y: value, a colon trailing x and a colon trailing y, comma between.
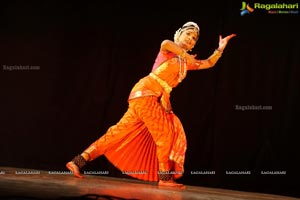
x: 149, y: 141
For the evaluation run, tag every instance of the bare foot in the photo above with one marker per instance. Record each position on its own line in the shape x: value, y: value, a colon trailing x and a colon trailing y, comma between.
x: 170, y: 183
x: 74, y: 168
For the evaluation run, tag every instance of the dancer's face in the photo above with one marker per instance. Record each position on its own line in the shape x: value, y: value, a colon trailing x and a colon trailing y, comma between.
x: 188, y: 39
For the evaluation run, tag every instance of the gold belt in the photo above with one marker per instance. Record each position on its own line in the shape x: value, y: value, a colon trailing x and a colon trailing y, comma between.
x: 141, y: 93
x: 165, y: 98
x: 161, y: 82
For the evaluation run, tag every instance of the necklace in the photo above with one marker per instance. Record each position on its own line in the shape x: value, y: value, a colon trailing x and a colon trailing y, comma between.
x: 182, y: 69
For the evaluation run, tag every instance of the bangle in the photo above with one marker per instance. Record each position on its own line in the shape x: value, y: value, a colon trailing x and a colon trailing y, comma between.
x: 219, y: 51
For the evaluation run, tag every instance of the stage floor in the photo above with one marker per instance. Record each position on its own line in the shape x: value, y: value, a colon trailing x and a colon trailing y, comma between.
x: 28, y: 184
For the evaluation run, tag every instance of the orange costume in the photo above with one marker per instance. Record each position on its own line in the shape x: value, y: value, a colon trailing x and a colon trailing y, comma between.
x: 149, y: 139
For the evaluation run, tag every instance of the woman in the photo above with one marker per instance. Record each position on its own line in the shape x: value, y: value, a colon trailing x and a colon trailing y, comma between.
x: 149, y: 141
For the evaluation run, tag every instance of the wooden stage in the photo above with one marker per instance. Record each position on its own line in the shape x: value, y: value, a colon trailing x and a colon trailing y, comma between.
x: 28, y: 184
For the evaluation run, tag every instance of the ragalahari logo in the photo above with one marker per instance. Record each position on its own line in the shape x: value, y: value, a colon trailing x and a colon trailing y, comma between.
x: 246, y: 9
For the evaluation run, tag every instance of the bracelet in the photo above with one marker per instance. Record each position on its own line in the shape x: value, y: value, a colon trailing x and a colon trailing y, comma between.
x: 218, y: 51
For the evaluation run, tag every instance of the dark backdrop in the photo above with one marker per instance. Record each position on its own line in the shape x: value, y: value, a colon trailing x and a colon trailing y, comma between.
x: 87, y: 56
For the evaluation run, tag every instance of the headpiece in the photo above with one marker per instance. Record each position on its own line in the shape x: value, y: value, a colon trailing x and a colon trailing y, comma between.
x: 186, y: 26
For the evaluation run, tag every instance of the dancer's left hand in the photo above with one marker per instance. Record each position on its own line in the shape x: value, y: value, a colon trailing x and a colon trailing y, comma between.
x: 223, y: 41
